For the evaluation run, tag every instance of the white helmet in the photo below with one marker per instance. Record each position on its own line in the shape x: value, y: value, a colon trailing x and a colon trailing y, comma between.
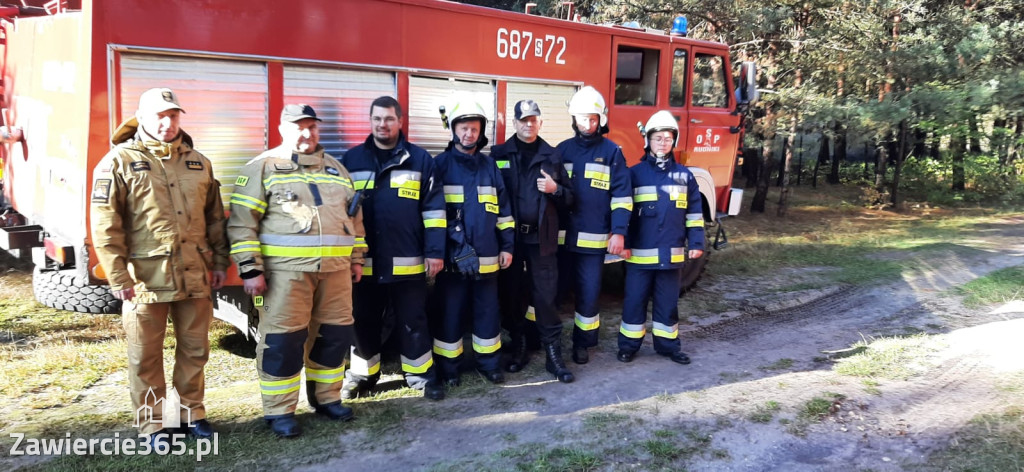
x: 588, y: 101
x: 661, y: 121
x: 466, y: 108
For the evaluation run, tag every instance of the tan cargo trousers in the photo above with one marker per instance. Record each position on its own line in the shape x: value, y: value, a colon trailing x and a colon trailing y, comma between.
x: 145, y: 325
x: 306, y: 321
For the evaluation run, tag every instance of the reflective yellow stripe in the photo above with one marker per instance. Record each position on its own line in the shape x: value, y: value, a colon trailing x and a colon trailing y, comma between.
x: 665, y: 331
x: 435, y: 223
x: 307, y: 179
x: 367, y: 268
x: 360, y: 243
x: 363, y: 184
x: 482, y: 198
x: 695, y: 223
x: 561, y: 237
x: 486, y: 346
x: 449, y: 350
x: 625, y: 203
x: 506, y: 222
x: 531, y: 314
x: 245, y: 246
x: 407, y: 266
x: 588, y: 323
x: 595, y: 175
x: 326, y: 251
x: 325, y: 375
x: 645, y: 197
x: 643, y: 256
x: 590, y: 240
x: 419, y: 365
x: 454, y: 198
x: 362, y: 366
x: 249, y: 202
x: 633, y: 331
x: 280, y: 387
x: 503, y: 164
x: 488, y: 265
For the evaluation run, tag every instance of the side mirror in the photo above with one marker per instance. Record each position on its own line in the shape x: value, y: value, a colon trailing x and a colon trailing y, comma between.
x: 747, y: 92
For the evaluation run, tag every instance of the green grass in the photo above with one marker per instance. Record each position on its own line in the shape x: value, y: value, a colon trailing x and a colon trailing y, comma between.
x: 820, y: 407
x: 764, y: 413
x: 890, y: 358
x: 997, y: 287
x: 988, y: 442
x: 603, y: 421
x: 781, y: 364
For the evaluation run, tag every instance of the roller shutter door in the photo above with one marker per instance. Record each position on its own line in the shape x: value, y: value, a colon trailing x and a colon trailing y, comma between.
x: 225, y: 105
x: 552, y: 100
x: 341, y: 98
x: 426, y: 94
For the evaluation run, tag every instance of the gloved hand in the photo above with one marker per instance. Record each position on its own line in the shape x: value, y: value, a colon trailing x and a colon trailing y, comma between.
x: 466, y: 261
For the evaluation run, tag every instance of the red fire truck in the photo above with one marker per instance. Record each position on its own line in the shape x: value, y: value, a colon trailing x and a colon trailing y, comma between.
x: 73, y: 73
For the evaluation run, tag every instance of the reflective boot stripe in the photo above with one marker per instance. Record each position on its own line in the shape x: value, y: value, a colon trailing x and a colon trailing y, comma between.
x: 665, y: 331
x: 280, y: 387
x: 486, y: 346
x: 449, y: 350
x: 365, y: 367
x: 588, y: 323
x: 635, y: 331
x: 325, y: 375
x: 418, y: 365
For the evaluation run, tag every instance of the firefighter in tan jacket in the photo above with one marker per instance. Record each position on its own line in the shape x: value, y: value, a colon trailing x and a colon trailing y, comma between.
x: 298, y: 241
x: 158, y: 231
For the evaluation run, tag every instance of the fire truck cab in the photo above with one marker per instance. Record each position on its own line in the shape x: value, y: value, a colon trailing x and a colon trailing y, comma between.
x: 71, y: 75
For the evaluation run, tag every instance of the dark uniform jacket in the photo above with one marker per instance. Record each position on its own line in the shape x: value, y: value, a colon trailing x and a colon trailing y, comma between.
x: 403, y: 209
x: 668, y: 219
x: 510, y: 161
x: 477, y: 205
x: 602, y: 194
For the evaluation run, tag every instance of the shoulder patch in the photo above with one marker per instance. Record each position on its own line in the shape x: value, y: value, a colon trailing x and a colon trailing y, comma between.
x: 139, y: 166
x: 101, y: 191
x: 333, y: 171
x: 194, y: 165
x: 285, y: 166
x: 241, y: 181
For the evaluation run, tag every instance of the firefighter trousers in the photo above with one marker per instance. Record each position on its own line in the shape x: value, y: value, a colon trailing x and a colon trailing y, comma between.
x: 306, y: 322
x: 145, y: 325
x: 531, y: 278
x: 408, y: 299
x: 458, y: 295
x: 643, y: 285
x: 587, y: 285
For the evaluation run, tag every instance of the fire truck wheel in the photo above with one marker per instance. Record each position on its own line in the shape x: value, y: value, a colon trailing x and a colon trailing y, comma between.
x: 691, y: 273
x: 66, y: 290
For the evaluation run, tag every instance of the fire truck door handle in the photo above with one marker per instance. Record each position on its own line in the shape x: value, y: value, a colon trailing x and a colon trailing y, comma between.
x: 696, y: 121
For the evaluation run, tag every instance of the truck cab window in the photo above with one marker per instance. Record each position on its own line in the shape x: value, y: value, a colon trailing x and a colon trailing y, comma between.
x: 636, y: 76
x: 677, y: 92
x: 709, y: 86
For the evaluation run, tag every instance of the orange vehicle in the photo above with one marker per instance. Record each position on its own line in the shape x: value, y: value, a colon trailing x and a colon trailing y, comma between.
x: 71, y: 75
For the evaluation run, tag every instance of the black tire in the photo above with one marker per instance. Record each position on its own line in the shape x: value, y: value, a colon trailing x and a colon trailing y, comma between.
x: 66, y: 290
x: 691, y: 272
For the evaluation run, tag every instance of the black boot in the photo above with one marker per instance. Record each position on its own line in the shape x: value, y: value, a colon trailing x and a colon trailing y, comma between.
x: 518, y: 357
x: 555, y: 364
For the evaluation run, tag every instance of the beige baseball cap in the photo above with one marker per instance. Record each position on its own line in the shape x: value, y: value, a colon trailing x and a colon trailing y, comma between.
x: 156, y: 100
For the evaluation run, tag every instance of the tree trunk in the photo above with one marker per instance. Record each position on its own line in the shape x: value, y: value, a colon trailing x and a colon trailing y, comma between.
x: 757, y: 204
x: 958, y: 147
x: 934, y: 146
x: 974, y: 136
x: 920, y: 144
x: 1000, y: 135
x: 751, y: 166
x: 867, y: 153
x: 901, y: 151
x: 822, y: 157
x: 783, y: 164
x: 839, y: 152
x: 881, y: 161
x: 787, y: 163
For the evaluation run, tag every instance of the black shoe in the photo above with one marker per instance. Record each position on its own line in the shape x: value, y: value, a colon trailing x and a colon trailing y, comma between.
x: 677, y: 357
x: 452, y: 382
x: 580, y: 355
x: 335, y: 411
x: 351, y: 391
x: 200, y: 429
x: 625, y: 356
x: 160, y: 440
x: 555, y: 365
x: 518, y: 357
x: 285, y: 427
x: 493, y: 376
x: 433, y: 390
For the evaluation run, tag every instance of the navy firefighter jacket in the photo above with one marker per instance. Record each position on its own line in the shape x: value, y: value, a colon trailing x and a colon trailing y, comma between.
x: 667, y: 219
x: 403, y: 209
x: 478, y: 207
x: 601, y: 189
